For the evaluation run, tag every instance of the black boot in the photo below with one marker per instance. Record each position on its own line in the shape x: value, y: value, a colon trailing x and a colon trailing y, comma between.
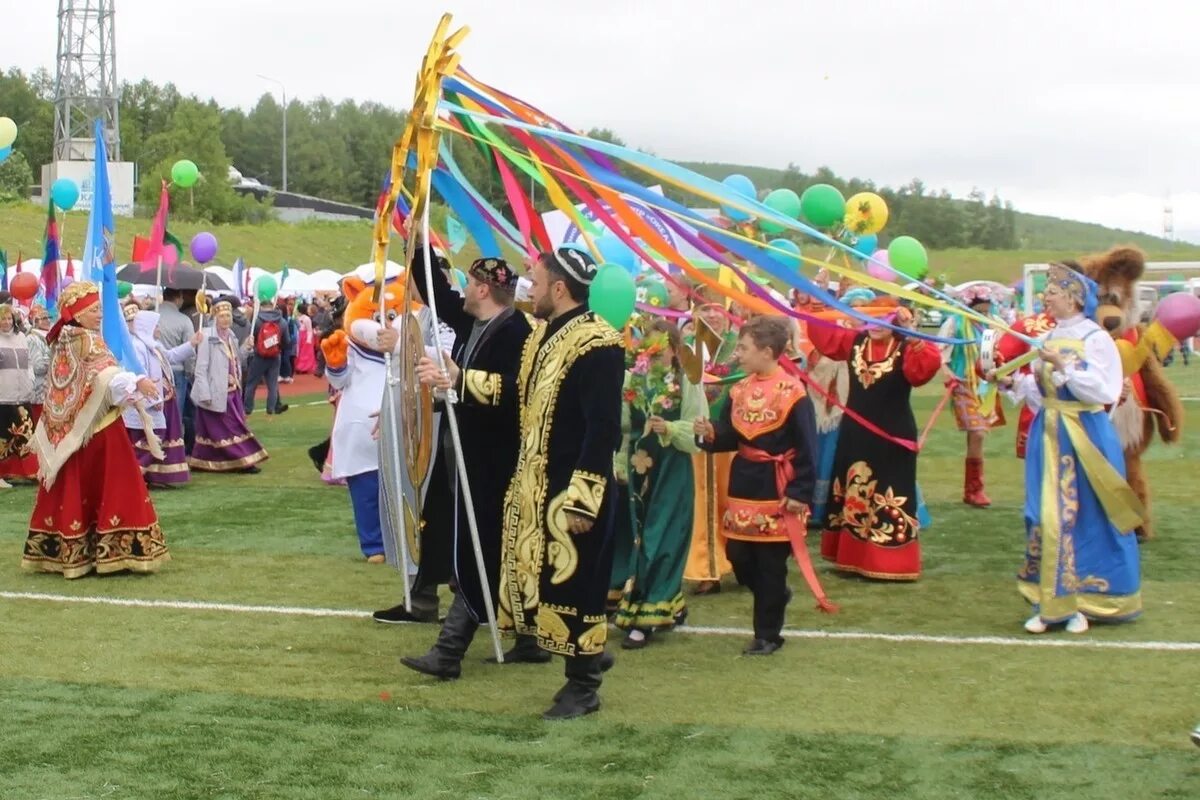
x: 525, y: 651
x: 424, y: 609
x: 579, y: 697
x: 444, y: 659
x: 606, y: 660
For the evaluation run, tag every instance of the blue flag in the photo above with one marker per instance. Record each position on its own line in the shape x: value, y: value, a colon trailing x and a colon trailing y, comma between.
x: 99, y: 264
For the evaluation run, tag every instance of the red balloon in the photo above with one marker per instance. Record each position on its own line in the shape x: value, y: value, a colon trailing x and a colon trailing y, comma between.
x: 24, y: 286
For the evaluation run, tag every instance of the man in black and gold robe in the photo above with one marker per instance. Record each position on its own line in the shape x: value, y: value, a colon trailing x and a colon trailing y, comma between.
x: 489, y: 336
x: 558, y: 511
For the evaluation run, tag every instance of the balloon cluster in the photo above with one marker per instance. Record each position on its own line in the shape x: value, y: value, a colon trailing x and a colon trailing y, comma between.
x: 856, y: 221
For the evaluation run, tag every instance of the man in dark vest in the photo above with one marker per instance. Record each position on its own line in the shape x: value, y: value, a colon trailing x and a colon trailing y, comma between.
x: 489, y: 337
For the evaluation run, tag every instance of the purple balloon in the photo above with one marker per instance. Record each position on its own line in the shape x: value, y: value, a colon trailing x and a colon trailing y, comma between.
x: 204, y: 247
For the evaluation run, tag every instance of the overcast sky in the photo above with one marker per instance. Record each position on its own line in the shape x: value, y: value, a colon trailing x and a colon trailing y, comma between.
x: 1088, y: 110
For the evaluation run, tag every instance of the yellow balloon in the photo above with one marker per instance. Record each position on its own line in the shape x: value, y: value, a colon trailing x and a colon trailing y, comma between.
x: 866, y: 212
x: 8, y: 132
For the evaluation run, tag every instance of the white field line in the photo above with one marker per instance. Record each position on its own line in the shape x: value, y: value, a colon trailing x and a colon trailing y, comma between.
x: 1058, y: 640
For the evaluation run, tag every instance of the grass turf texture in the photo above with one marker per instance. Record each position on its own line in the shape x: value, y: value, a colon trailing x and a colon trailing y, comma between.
x: 117, y: 702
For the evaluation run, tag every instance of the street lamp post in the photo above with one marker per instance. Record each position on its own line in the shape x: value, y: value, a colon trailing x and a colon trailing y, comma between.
x: 283, y: 91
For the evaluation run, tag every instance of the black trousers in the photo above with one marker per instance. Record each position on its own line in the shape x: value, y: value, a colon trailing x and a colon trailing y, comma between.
x: 762, y: 566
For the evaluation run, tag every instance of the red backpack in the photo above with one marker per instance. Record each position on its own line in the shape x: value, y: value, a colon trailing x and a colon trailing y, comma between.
x: 266, y: 344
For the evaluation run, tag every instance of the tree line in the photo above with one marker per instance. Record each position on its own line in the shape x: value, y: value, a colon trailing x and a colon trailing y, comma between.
x: 341, y: 151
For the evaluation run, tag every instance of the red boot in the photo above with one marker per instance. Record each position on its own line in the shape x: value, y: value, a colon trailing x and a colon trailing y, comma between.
x: 973, y: 494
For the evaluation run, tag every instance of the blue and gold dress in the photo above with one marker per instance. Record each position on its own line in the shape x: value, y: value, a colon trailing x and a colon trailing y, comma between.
x: 1081, y: 555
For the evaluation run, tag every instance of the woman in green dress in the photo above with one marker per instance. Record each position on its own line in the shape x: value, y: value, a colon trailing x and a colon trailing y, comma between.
x: 656, y: 462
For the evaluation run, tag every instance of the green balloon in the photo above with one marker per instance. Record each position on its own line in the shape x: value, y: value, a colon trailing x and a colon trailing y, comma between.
x: 655, y: 293
x: 907, y: 256
x: 612, y: 295
x: 123, y: 289
x: 823, y: 205
x: 786, y: 202
x: 266, y: 288
x: 184, y: 174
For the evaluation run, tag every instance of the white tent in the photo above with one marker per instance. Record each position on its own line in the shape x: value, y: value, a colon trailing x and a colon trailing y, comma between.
x: 324, y: 280
x: 298, y: 283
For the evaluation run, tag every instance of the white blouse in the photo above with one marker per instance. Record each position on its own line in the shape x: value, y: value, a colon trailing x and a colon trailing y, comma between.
x: 1098, y: 380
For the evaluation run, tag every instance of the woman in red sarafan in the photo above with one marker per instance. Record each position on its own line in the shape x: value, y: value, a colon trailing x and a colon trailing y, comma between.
x: 872, y: 526
x: 92, y: 510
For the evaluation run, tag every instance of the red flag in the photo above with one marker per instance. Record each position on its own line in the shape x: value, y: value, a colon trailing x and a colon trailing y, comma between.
x: 155, y: 247
x: 141, y: 246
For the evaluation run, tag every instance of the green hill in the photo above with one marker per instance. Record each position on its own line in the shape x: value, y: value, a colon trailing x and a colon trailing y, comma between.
x: 307, y: 246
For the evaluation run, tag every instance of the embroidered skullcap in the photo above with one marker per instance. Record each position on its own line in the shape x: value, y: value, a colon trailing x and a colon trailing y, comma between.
x: 577, y: 264
x: 494, y: 272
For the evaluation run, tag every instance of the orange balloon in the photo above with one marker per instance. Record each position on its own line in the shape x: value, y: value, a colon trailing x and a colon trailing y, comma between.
x: 24, y: 286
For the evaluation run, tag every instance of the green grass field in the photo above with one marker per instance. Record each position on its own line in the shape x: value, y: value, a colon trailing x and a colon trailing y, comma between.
x: 104, y: 701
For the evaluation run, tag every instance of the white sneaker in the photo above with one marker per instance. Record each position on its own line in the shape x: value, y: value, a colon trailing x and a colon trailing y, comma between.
x: 5, y: 484
x: 1035, y: 625
x: 1196, y: 735
x: 1077, y: 624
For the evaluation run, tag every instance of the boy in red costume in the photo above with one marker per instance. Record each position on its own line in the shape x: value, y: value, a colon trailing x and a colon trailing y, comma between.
x: 769, y: 422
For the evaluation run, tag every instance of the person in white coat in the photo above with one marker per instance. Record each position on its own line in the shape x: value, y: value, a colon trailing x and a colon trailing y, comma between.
x: 158, y: 363
x: 361, y: 376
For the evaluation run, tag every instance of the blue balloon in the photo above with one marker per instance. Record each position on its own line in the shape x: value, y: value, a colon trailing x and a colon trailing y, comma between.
x: 5, y: 152
x: 614, y: 251
x: 866, y: 245
x: 789, y: 261
x: 743, y: 186
x: 65, y: 193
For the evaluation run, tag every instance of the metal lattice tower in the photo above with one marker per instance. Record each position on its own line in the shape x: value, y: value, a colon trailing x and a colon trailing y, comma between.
x: 85, y: 86
x: 1168, y: 221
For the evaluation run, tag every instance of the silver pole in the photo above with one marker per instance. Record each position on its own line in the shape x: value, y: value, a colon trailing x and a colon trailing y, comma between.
x: 283, y: 93
x: 460, y: 463
x: 392, y: 425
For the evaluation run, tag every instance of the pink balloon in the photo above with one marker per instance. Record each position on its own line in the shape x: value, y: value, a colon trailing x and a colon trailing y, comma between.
x: 880, y: 266
x: 1179, y: 313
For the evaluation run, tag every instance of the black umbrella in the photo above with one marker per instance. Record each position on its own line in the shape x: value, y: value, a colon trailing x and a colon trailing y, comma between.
x: 180, y: 276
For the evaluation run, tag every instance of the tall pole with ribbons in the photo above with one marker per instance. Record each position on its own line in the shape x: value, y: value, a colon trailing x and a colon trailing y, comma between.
x: 420, y: 140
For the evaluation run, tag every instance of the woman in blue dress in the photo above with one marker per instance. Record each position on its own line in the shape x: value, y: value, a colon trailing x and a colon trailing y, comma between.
x: 1081, y: 558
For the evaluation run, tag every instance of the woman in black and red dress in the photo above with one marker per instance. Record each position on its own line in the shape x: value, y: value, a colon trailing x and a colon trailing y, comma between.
x: 872, y: 526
